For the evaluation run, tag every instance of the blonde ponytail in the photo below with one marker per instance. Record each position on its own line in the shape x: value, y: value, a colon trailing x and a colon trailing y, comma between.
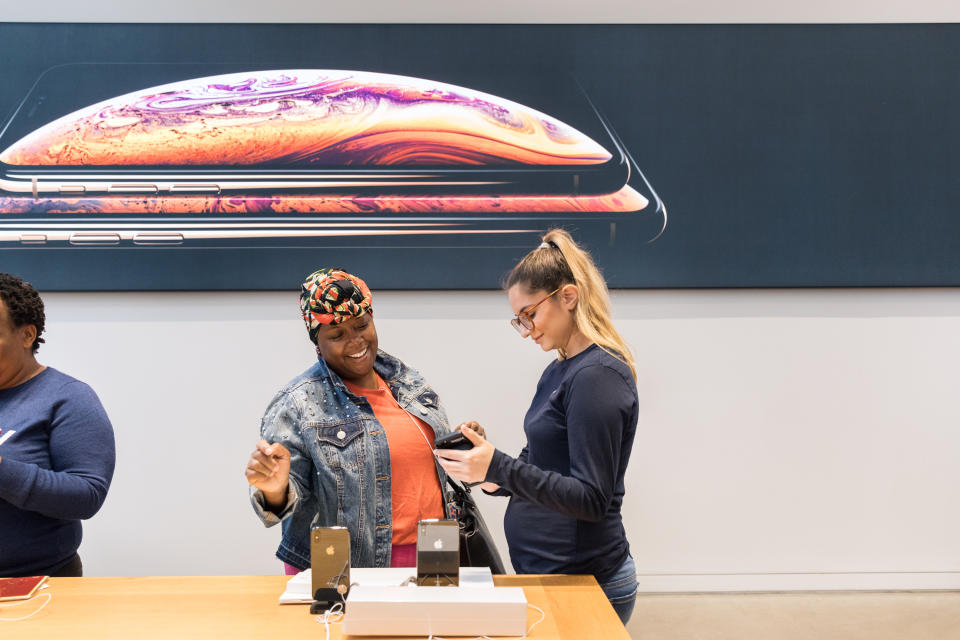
x: 559, y: 261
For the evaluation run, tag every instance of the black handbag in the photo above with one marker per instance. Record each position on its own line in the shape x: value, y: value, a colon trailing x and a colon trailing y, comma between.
x: 477, y: 548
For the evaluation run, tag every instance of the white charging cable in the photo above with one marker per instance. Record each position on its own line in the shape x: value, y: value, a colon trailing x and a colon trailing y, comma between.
x: 332, y: 615
x: 543, y: 616
x: 48, y: 596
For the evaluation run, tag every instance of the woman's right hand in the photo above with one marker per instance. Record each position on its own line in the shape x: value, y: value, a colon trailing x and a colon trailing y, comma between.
x: 269, y: 470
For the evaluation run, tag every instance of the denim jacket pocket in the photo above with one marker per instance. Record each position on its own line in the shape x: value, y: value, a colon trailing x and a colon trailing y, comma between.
x: 341, y: 443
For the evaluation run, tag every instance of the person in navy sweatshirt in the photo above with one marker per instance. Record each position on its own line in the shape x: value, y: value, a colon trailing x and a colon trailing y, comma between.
x: 566, y: 487
x: 56, y: 447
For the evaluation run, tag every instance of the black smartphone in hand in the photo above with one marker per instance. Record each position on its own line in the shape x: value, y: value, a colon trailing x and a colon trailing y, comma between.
x: 453, y: 440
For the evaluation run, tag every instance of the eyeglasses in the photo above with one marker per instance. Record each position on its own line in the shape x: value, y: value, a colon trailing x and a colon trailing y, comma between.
x: 524, y: 320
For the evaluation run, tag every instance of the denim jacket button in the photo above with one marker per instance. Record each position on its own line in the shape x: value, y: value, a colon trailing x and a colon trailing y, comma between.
x: 341, y: 434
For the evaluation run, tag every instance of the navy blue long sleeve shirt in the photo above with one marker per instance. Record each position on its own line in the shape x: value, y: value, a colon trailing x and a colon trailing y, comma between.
x: 56, y: 461
x: 566, y: 487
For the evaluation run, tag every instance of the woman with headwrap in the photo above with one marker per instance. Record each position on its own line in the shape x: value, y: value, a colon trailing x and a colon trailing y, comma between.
x: 349, y: 442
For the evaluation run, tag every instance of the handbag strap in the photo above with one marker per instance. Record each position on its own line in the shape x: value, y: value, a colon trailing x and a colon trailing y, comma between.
x: 458, y: 487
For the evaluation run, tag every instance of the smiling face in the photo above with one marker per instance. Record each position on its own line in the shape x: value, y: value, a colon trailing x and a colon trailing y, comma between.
x: 350, y: 348
x: 553, y: 323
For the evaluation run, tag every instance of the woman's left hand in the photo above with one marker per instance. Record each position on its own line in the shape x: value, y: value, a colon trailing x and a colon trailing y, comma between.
x: 470, y: 465
x: 473, y: 424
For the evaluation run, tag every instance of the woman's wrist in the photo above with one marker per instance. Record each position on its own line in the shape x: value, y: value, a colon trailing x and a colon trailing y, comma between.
x: 275, y: 500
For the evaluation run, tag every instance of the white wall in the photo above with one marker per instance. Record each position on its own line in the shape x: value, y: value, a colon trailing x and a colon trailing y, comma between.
x: 492, y: 11
x: 788, y: 438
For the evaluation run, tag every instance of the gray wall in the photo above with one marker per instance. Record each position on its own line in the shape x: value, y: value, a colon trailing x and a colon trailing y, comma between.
x: 494, y: 11
x: 788, y: 438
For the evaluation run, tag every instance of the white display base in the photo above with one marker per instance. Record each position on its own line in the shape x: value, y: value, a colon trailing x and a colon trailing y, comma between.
x: 443, y: 611
x: 299, y: 587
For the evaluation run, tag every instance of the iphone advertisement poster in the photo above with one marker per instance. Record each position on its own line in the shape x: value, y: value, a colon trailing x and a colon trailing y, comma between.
x: 177, y: 157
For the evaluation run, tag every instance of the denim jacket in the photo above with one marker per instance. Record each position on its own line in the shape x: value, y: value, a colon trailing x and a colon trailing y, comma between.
x: 339, y: 459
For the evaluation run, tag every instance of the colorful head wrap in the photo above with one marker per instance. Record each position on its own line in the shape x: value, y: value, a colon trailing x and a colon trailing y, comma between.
x: 332, y: 296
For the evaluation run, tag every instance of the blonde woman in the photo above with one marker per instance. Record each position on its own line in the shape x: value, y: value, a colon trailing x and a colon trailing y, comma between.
x: 566, y: 486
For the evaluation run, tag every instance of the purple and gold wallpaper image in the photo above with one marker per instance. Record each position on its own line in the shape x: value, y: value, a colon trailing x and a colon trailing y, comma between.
x: 308, y: 117
x: 319, y: 151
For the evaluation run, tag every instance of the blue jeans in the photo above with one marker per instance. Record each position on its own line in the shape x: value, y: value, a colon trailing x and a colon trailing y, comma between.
x: 621, y: 591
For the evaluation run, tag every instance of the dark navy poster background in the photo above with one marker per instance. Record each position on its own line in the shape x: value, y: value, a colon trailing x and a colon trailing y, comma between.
x: 787, y: 155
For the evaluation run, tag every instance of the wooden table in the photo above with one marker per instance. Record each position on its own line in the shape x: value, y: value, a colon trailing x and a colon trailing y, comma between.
x: 238, y: 607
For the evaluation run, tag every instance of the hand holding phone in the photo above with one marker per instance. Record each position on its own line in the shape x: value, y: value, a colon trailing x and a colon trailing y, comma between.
x: 466, y: 464
x: 453, y: 440
x: 456, y: 440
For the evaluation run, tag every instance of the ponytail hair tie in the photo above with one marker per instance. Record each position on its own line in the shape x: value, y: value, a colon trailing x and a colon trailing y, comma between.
x: 548, y: 245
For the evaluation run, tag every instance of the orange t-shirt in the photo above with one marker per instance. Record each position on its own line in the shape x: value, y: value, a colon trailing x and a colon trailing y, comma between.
x: 415, y: 486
